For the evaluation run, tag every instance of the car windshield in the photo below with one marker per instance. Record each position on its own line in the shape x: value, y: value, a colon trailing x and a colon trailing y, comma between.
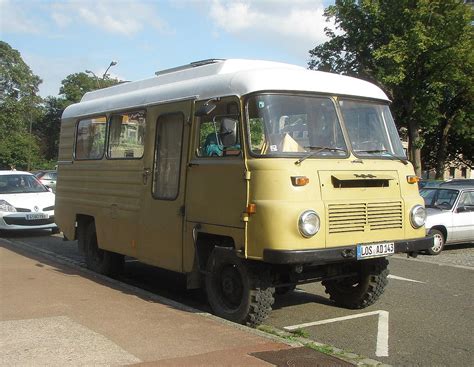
x: 439, y: 198
x: 371, y: 129
x: 294, y: 126
x: 20, y: 183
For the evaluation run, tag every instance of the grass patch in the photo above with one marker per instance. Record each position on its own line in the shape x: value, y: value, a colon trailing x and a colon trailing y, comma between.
x: 300, y: 333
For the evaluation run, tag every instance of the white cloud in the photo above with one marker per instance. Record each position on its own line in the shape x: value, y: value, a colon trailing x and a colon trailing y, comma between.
x: 295, y: 25
x: 16, y: 18
x: 119, y: 17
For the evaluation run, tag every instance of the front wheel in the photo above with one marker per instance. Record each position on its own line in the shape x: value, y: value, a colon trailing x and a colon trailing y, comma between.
x: 363, y: 288
x: 236, y: 290
x: 438, y: 243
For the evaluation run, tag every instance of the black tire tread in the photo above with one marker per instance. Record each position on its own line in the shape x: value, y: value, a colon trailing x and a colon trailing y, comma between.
x: 261, y: 296
x: 374, y: 279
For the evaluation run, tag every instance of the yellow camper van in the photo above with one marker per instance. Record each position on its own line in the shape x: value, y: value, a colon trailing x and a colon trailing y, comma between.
x: 250, y: 177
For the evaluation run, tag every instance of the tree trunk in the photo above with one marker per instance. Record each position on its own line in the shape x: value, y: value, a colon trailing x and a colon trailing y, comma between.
x: 442, y: 149
x: 414, y: 150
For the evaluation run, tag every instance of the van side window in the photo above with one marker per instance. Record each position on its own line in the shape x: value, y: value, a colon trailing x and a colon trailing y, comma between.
x: 219, y: 132
x: 127, y: 135
x: 166, y: 172
x: 90, y: 138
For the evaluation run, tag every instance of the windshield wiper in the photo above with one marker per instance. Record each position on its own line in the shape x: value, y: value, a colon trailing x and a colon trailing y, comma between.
x: 318, y: 150
x: 404, y: 161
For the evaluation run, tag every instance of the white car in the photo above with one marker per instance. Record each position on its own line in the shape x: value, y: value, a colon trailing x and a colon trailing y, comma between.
x: 450, y: 214
x: 25, y: 203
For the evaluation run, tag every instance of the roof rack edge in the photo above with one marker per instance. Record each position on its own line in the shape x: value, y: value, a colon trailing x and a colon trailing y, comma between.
x: 188, y: 66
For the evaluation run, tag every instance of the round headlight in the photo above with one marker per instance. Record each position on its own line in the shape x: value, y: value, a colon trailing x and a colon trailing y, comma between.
x: 417, y: 216
x: 308, y: 223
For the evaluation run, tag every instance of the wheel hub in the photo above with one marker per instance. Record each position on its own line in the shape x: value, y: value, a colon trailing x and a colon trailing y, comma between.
x: 231, y: 286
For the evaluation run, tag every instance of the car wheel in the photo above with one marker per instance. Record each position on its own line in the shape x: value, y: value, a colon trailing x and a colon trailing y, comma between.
x: 361, y: 289
x: 439, y: 242
x: 55, y: 230
x: 238, y: 291
x: 99, y: 260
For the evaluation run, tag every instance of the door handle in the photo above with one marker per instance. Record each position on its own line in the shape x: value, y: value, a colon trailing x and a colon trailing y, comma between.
x: 146, y: 173
x: 192, y: 164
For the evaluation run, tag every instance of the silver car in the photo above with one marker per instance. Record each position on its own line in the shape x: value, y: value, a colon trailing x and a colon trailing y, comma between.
x: 450, y: 214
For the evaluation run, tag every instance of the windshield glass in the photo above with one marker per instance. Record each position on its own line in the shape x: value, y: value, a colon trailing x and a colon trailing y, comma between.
x: 17, y: 184
x: 294, y: 126
x: 439, y: 198
x: 371, y: 129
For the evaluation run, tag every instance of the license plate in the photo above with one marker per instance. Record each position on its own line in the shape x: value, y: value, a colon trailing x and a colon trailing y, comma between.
x: 375, y: 250
x: 35, y: 216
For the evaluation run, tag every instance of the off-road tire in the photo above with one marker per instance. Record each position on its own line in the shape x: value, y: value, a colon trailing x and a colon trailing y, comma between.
x: 439, y: 242
x: 362, y: 290
x: 251, y: 284
x: 99, y: 260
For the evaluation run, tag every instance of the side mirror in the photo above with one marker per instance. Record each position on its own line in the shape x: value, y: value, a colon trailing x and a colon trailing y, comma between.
x: 205, y: 109
x: 461, y: 209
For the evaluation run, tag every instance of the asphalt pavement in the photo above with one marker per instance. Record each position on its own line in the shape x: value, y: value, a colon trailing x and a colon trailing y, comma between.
x: 424, y: 318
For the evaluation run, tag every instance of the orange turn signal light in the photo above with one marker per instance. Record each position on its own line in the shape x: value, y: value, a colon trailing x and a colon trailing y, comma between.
x: 251, y: 209
x: 412, y: 179
x: 299, y: 180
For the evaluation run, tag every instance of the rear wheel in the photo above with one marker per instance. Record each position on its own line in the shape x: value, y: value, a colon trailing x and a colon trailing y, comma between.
x: 55, y: 230
x: 98, y: 260
x: 238, y: 291
x: 439, y: 242
x: 363, y: 288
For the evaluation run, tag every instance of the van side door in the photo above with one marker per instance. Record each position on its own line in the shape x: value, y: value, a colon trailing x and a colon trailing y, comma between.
x: 163, y: 196
x: 216, y: 190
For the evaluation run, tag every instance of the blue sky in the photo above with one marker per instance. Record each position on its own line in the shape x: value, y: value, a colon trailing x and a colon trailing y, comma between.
x: 58, y: 38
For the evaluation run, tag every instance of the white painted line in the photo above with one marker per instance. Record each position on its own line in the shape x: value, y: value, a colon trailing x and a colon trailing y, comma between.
x: 382, y: 328
x: 405, y: 279
x: 382, y: 335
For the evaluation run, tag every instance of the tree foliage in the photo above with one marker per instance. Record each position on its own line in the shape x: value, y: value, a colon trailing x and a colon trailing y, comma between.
x: 74, y: 86
x: 29, y: 125
x: 419, y: 52
x: 19, y: 108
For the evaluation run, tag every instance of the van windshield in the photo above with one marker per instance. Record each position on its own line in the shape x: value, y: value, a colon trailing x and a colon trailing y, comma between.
x: 371, y: 129
x: 294, y: 126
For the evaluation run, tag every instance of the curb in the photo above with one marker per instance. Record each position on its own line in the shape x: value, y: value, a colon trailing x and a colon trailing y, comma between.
x: 265, y: 331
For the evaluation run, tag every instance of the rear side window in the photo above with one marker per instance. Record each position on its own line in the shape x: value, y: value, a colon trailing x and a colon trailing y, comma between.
x: 127, y: 135
x: 90, y: 138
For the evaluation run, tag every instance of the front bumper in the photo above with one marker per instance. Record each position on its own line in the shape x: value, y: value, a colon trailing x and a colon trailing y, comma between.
x: 338, y: 254
x: 19, y: 222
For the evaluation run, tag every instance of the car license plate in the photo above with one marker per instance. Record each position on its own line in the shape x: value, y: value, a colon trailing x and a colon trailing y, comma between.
x: 375, y: 250
x: 35, y: 216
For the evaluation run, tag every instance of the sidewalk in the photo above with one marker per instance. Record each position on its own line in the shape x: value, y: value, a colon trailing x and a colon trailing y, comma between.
x: 54, y: 315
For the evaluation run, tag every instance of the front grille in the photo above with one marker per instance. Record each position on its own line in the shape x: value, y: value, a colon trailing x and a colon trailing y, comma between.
x: 48, y: 208
x: 359, y: 217
x: 24, y: 222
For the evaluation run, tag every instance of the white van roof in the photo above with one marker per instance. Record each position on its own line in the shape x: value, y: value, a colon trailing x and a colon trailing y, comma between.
x: 218, y: 78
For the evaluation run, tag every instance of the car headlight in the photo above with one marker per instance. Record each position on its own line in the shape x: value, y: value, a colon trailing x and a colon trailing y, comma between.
x: 5, y: 206
x: 308, y: 223
x: 417, y: 216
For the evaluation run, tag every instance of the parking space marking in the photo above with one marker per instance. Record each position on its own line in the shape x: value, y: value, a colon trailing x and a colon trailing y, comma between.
x: 382, y: 328
x: 405, y: 279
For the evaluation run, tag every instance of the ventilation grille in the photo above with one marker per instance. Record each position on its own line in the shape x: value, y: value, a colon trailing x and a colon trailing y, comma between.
x: 358, y: 217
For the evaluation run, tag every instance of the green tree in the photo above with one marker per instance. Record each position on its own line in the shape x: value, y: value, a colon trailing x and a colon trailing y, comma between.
x: 19, y: 109
x: 74, y: 86
x: 413, y: 50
